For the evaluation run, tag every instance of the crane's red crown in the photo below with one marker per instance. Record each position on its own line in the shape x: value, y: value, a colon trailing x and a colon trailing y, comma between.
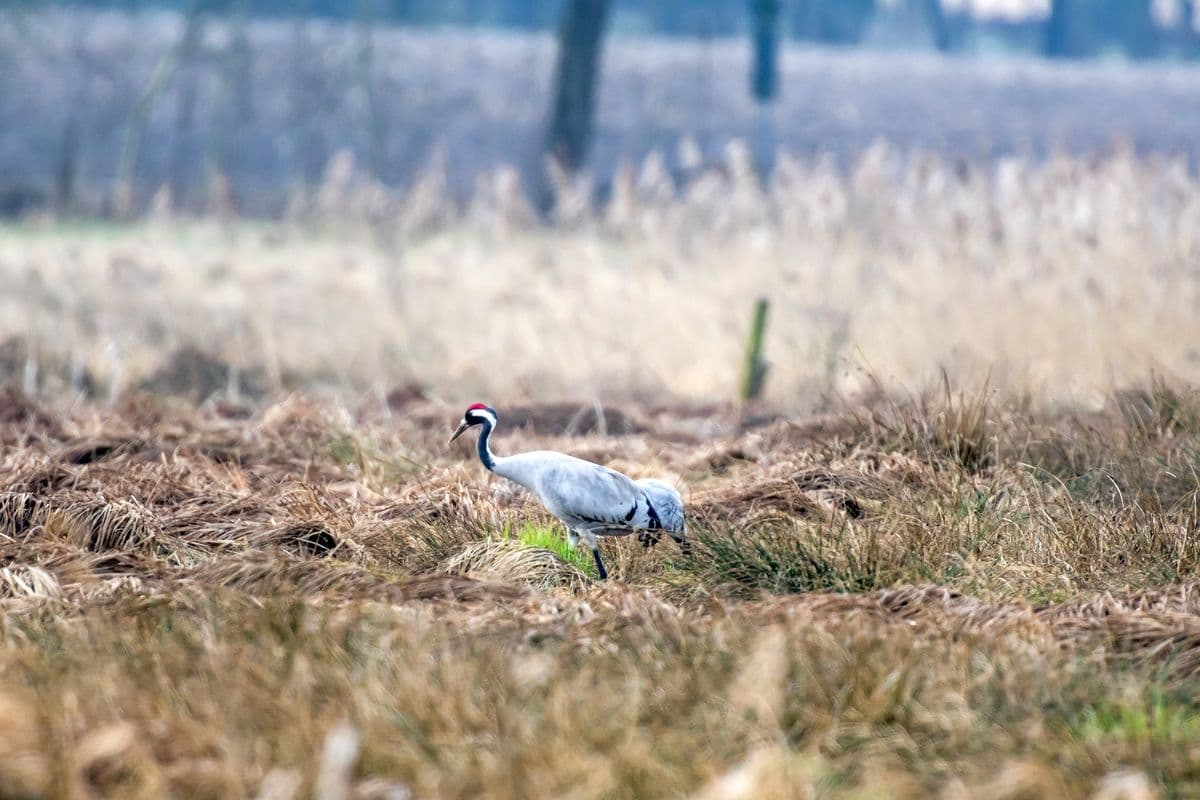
x: 477, y: 407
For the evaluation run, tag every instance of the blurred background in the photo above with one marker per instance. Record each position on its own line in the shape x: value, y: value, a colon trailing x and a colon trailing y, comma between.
x: 589, y: 198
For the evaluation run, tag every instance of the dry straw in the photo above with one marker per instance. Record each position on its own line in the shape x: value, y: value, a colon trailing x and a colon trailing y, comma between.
x: 1059, y: 277
x: 262, y: 603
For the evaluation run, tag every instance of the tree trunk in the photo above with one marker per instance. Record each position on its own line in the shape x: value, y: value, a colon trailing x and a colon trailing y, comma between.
x: 765, y: 75
x: 1141, y: 34
x: 939, y: 26
x: 1057, y: 43
x: 131, y: 141
x: 580, y: 37
x: 1191, y: 37
x: 64, y: 183
x: 232, y: 113
x: 185, y: 114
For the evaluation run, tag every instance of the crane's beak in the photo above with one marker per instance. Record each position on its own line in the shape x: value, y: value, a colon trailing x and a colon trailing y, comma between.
x: 462, y: 426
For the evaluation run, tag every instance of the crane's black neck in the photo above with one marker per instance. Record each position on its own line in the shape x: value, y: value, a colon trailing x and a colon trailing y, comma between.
x: 481, y: 444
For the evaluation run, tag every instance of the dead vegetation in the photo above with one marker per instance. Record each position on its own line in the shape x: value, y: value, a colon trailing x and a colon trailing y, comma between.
x: 292, y: 598
x: 904, y: 262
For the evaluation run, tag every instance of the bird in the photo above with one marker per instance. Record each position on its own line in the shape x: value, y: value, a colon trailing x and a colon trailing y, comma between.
x: 589, y: 499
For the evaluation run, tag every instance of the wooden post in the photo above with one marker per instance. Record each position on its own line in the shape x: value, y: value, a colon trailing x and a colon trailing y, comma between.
x: 754, y: 371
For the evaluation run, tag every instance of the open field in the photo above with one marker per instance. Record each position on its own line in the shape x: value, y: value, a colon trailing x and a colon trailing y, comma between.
x: 952, y: 597
x: 237, y: 560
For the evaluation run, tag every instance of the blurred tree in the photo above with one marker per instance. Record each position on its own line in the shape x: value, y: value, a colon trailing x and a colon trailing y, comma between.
x: 68, y: 156
x: 365, y: 77
x: 1073, y: 28
x: 1058, y: 30
x: 525, y: 15
x: 946, y: 32
x: 1077, y: 28
x: 185, y: 108
x: 685, y: 17
x: 765, y: 70
x: 830, y: 21
x: 232, y: 112
x: 580, y: 37
x: 1189, y: 17
x: 939, y: 27
x: 164, y: 73
x: 1134, y: 24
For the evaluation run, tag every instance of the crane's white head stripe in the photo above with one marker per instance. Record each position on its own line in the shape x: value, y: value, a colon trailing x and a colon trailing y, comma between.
x: 477, y: 416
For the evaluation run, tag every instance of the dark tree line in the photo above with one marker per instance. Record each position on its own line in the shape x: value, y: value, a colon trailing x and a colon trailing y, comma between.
x: 1079, y: 28
x: 1074, y: 28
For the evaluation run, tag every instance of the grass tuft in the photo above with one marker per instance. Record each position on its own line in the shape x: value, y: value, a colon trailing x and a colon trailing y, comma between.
x: 1154, y: 720
x: 553, y: 538
x: 781, y: 557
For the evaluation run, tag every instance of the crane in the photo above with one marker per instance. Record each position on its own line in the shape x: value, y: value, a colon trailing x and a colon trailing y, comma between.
x: 589, y: 499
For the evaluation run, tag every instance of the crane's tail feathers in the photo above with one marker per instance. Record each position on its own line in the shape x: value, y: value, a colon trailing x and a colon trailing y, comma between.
x: 649, y: 538
x: 665, y: 505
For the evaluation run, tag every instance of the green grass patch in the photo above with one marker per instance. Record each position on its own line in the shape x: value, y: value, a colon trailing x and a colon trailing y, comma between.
x: 554, y: 539
x: 1157, y: 721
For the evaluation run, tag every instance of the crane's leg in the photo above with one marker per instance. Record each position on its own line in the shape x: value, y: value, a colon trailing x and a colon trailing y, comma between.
x: 681, y: 539
x: 600, y: 570
x: 589, y: 539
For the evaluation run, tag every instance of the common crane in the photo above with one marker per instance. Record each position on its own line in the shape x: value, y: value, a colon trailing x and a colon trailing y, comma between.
x: 591, y: 500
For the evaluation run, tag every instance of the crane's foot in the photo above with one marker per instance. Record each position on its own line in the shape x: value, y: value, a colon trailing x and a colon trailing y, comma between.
x: 600, y: 570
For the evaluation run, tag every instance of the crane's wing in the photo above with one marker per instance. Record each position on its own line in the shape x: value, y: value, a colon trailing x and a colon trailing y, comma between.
x: 595, y: 497
x: 591, y: 496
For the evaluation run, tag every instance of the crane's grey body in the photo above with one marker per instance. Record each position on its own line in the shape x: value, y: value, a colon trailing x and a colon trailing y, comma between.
x: 593, y: 498
x: 590, y: 499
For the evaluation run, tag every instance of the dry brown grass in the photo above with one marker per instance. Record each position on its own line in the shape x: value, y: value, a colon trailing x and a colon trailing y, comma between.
x: 299, y: 601
x: 1061, y: 278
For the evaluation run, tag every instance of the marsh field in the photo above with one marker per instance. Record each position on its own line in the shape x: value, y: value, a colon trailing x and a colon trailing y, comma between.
x: 950, y: 553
